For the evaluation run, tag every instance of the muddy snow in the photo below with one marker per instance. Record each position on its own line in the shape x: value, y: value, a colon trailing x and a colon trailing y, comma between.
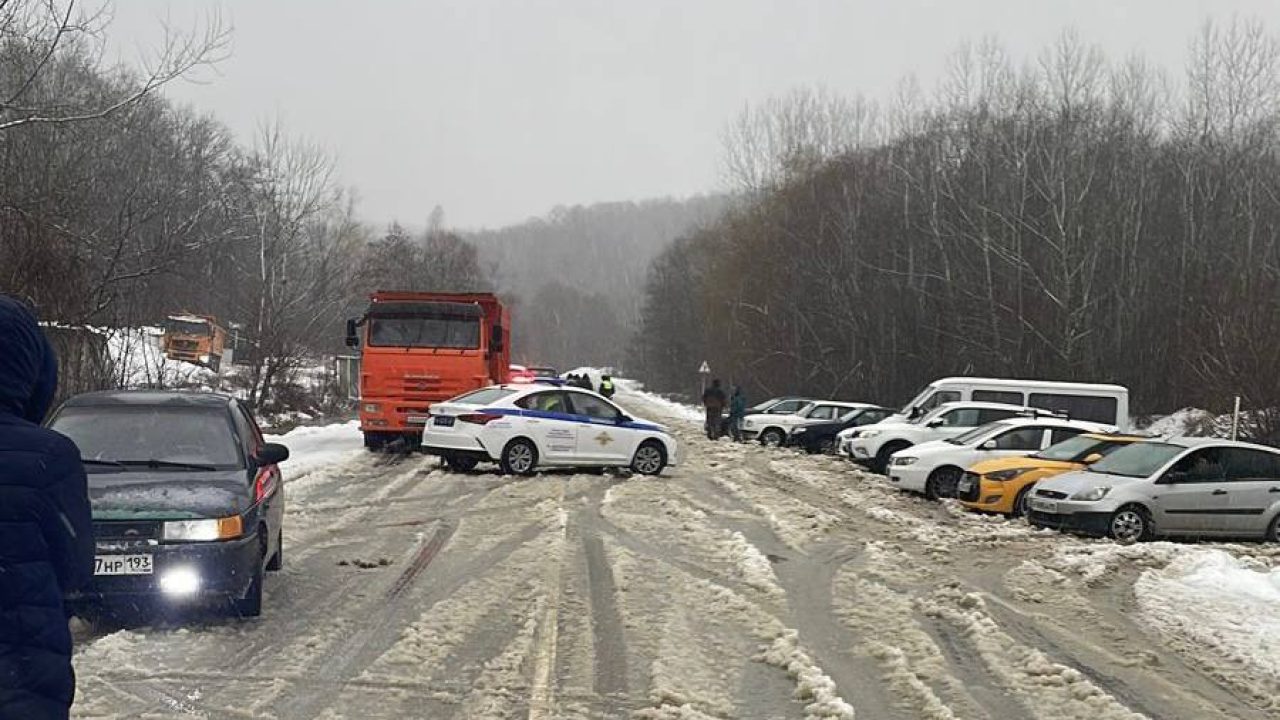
x: 745, y: 583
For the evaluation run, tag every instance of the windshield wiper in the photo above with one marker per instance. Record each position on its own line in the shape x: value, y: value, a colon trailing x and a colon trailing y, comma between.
x: 108, y: 463
x: 165, y: 464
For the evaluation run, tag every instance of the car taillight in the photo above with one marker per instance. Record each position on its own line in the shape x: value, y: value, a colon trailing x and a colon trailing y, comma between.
x: 478, y: 418
x: 265, y: 482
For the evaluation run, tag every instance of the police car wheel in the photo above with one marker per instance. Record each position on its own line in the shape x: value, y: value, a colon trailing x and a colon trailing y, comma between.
x: 649, y: 459
x: 519, y: 457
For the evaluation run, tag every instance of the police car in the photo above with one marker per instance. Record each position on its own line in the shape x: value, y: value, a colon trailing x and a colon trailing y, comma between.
x: 526, y: 427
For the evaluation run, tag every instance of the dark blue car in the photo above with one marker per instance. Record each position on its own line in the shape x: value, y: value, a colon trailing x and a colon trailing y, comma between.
x: 188, y: 501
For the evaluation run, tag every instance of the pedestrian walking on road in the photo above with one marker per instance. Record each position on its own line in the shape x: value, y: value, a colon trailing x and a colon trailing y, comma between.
x: 713, y: 400
x: 737, y: 410
x: 46, y: 533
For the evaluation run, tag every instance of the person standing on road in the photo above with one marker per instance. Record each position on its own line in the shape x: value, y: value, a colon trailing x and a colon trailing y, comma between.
x: 46, y: 532
x: 737, y: 410
x: 713, y: 400
x: 606, y: 386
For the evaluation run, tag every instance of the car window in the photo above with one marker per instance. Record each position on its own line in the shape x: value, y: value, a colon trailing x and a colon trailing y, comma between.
x: 1059, y: 434
x: 1023, y: 438
x: 593, y: 407
x: 936, y: 399
x: 1202, y: 466
x: 990, y: 415
x: 1078, y: 407
x: 960, y: 417
x: 822, y: 412
x: 248, y: 430
x: 999, y: 396
x: 142, y: 433
x: 1244, y: 464
x: 552, y: 401
x: 786, y: 407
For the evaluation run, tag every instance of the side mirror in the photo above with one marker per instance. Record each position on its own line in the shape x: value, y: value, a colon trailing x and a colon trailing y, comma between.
x: 914, y: 413
x: 989, y: 445
x: 271, y: 453
x: 496, y: 339
x: 624, y: 419
x: 1091, y: 458
x: 1173, y: 477
x: 352, y: 338
x: 934, y: 423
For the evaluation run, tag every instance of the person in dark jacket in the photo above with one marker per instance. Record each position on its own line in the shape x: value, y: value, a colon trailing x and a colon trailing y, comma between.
x: 737, y: 410
x: 46, y: 533
x: 713, y: 400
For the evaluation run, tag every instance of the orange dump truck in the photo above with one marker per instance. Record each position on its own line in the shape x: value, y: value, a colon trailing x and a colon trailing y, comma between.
x: 195, y: 339
x: 420, y: 348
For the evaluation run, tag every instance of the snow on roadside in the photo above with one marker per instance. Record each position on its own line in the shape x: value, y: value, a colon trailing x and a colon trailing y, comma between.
x: 812, y: 683
x: 681, y: 411
x: 317, y: 448
x: 1212, y: 600
x: 316, y: 452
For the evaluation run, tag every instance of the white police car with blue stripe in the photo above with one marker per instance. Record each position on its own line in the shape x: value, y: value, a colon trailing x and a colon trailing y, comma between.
x: 526, y: 427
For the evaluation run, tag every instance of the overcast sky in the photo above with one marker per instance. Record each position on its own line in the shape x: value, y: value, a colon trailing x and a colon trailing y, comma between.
x: 498, y: 110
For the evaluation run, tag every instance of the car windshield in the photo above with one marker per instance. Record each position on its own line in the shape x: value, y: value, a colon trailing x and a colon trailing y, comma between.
x: 1073, y: 449
x: 483, y: 396
x: 1137, y: 460
x: 976, y: 434
x: 764, y: 406
x: 141, y: 437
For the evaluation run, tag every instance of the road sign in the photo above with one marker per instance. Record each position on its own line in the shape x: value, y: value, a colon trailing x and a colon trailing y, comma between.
x: 705, y: 369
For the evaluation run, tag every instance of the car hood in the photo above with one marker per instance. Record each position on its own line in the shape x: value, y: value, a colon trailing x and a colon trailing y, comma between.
x: 818, y: 425
x: 1021, y: 463
x: 184, y: 494
x: 1073, y: 482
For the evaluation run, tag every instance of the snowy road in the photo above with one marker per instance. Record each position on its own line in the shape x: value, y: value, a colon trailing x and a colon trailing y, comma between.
x: 746, y: 583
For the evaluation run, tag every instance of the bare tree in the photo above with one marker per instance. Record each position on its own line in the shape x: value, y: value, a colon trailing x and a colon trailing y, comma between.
x: 38, y: 37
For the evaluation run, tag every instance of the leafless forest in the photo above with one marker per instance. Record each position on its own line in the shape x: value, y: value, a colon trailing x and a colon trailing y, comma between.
x: 1072, y: 218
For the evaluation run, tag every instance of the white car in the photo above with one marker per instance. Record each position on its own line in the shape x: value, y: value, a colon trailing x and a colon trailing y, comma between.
x: 772, y: 428
x: 873, y: 444
x: 526, y: 427
x: 934, y: 468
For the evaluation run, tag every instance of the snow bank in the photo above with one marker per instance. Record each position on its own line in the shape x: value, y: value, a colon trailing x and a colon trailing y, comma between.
x: 1215, y: 601
x: 316, y: 448
x: 681, y: 411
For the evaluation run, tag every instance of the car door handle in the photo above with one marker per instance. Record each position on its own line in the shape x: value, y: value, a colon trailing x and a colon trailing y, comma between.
x: 1219, y: 491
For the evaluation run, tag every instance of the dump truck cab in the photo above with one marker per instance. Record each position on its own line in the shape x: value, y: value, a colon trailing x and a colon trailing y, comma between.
x: 420, y: 348
x: 197, y: 339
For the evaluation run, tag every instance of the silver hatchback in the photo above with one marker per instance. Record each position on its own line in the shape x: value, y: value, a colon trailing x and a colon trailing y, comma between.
x: 1179, y: 487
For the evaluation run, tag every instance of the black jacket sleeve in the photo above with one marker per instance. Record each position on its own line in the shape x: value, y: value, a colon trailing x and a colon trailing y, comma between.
x: 70, y: 533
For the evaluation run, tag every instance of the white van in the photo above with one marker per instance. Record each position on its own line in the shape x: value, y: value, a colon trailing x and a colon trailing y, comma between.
x: 1107, y: 404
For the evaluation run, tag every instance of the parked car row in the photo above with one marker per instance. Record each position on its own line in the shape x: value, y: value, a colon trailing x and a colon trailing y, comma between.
x: 1059, y: 454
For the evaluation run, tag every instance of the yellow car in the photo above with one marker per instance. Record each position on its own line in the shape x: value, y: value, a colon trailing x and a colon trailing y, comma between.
x: 1002, y: 486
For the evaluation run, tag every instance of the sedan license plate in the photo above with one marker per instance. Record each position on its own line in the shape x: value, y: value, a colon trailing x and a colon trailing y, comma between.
x: 122, y: 565
x: 1044, y: 506
x: 444, y: 421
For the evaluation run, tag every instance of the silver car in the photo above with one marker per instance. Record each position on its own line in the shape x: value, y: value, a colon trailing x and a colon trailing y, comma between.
x: 1180, y: 486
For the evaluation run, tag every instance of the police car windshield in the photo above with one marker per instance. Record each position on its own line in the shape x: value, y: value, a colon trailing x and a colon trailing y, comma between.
x: 483, y: 396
